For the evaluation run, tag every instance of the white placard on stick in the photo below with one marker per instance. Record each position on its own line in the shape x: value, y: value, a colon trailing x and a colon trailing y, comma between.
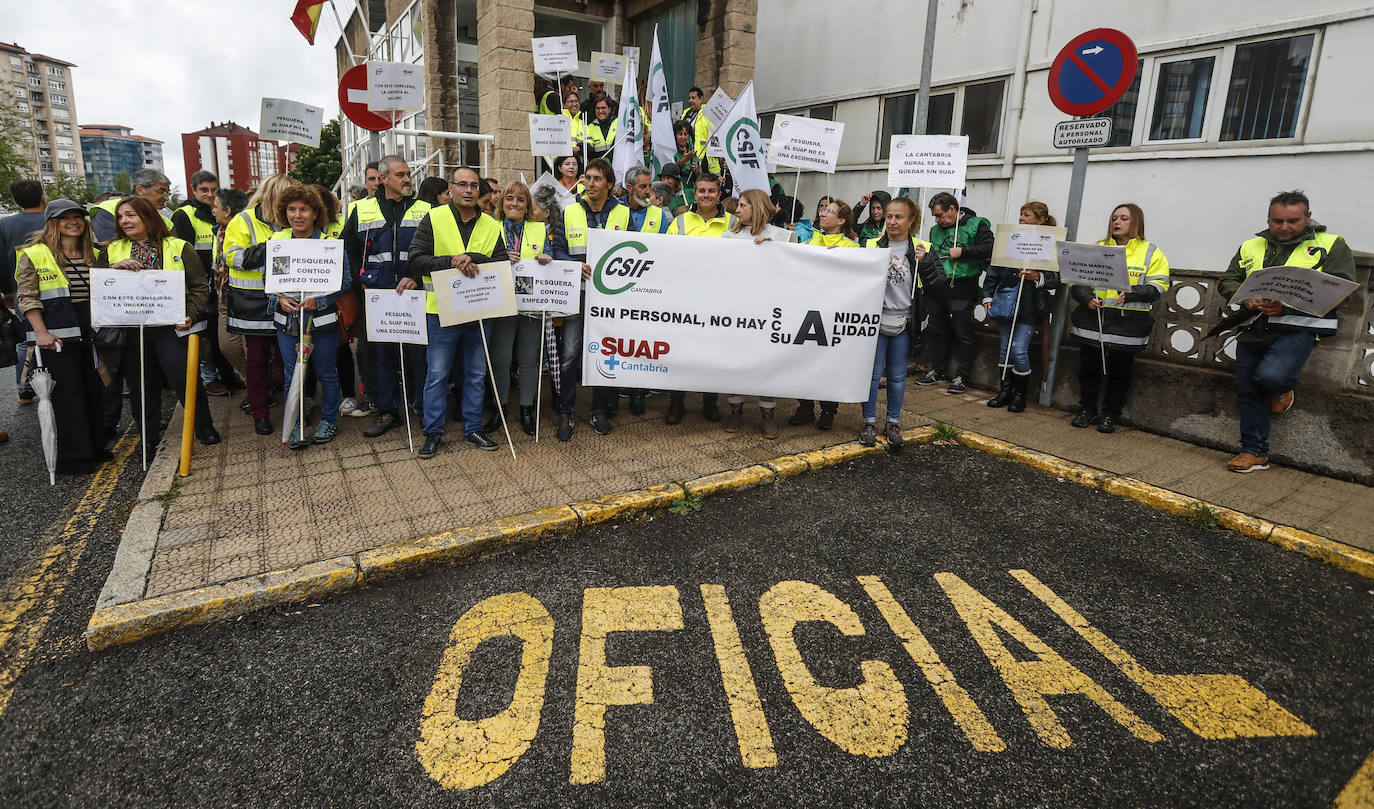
x: 553, y: 287
x: 461, y: 299
x: 1028, y: 247
x: 550, y: 135
x: 138, y: 297
x: 809, y: 144
x: 555, y: 54
x: 546, y: 180
x: 282, y: 119
x: 395, y: 86
x: 310, y: 266
x: 1301, y: 288
x: 717, y: 107
x: 927, y: 161
x: 396, y: 317
x: 1095, y: 265
x: 608, y: 67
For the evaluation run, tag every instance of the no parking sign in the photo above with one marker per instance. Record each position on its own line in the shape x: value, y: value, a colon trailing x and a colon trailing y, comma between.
x: 1094, y: 70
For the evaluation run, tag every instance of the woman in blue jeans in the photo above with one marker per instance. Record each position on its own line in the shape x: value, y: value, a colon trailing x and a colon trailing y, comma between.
x: 1034, y: 287
x: 301, y: 208
x: 906, y: 254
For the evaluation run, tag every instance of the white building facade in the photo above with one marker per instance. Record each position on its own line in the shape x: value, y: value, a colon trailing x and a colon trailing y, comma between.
x: 1233, y: 102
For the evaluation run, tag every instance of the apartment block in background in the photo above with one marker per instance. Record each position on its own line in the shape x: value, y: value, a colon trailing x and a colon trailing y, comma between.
x: 112, y: 149
x: 233, y: 153
x: 45, y: 100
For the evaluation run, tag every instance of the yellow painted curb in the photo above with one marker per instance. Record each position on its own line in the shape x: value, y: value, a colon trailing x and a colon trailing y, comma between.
x: 401, y: 558
x: 601, y: 509
x: 731, y: 481
x: 1338, y: 554
x: 787, y: 466
x: 838, y: 454
x: 1330, y: 551
x: 919, y: 435
x: 1050, y: 464
x: 123, y: 623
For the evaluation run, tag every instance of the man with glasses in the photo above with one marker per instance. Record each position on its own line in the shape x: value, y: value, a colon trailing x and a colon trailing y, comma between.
x: 194, y: 223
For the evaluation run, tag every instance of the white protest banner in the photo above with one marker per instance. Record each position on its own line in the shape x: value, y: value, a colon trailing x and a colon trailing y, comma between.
x: 741, y: 140
x: 396, y: 318
x: 282, y: 119
x: 717, y: 107
x: 554, y: 54
x: 550, y: 135
x: 395, y: 86
x: 1095, y: 265
x: 727, y: 315
x: 138, y: 297
x: 1301, y: 288
x: 927, y: 161
x: 460, y: 299
x: 1028, y: 247
x: 664, y: 145
x: 553, y: 287
x: 310, y: 266
x: 810, y: 144
x: 608, y: 67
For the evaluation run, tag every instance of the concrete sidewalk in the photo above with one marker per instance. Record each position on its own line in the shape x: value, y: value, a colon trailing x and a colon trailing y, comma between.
x: 246, y: 510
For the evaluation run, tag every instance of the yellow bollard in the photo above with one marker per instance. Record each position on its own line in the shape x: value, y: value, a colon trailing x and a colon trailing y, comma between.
x: 188, y: 422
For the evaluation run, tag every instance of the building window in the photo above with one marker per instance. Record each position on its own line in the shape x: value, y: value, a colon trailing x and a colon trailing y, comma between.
x: 16, y: 63
x: 940, y: 116
x: 23, y: 107
x: 56, y: 85
x: 54, y: 70
x: 35, y: 96
x: 766, y: 125
x: 825, y: 112
x: 1267, y: 80
x: 982, y: 119
x: 59, y: 100
x: 1181, y: 98
x: 69, y: 168
x: 899, y: 118
x: 34, y: 81
x: 1122, y: 112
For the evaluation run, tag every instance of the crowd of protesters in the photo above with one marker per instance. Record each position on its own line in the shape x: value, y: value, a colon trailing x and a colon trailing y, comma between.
x: 397, y: 235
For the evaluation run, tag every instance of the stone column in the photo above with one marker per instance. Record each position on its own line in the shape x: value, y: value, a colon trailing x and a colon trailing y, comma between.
x: 725, y: 45
x: 505, y: 82
x: 441, y: 75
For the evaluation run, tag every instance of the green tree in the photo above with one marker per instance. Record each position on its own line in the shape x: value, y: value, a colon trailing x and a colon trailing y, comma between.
x: 123, y: 184
x: 15, y: 150
x: 321, y: 165
x: 67, y: 186
x: 175, y: 199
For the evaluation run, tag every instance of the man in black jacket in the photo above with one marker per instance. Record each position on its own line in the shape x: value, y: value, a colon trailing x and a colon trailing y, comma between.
x: 962, y: 241
x: 194, y: 223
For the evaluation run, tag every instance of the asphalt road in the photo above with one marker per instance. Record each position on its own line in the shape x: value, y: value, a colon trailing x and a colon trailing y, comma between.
x: 325, y: 704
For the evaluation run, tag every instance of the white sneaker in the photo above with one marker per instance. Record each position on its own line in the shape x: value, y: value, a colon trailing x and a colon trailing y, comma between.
x: 348, y: 405
x: 361, y: 410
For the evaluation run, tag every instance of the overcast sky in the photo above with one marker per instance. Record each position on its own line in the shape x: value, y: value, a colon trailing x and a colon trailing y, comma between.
x: 165, y: 67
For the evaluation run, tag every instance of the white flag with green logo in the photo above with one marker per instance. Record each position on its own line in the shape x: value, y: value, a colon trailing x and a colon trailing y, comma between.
x: 743, y: 144
x: 629, y: 133
x: 665, y: 145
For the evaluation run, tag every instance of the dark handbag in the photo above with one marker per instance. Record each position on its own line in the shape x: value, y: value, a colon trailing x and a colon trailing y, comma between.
x: 10, y: 337
x: 1004, y: 303
x: 111, y: 337
x: 349, y: 308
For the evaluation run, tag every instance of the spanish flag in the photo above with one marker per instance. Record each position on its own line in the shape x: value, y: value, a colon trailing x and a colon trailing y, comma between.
x: 307, y: 18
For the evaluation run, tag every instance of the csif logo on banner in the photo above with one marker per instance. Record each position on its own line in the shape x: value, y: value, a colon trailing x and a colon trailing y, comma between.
x: 742, y: 143
x: 618, y: 263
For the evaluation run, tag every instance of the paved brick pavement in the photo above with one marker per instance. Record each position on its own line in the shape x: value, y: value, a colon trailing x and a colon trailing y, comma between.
x: 245, y: 510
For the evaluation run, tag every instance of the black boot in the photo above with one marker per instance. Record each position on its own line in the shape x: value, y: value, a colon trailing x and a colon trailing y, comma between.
x: 1018, y: 393
x: 1003, y: 396
x: 527, y: 419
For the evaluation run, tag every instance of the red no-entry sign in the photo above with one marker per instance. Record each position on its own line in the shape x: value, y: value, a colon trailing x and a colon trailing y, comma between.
x: 353, y: 101
x: 1093, y: 71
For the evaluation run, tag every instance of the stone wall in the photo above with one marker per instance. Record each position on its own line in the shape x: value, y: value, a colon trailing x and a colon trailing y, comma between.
x: 505, y: 81
x: 1184, y: 388
x: 725, y: 44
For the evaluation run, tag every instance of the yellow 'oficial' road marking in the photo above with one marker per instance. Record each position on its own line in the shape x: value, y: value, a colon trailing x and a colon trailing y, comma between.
x: 31, y: 595
x: 869, y: 719
x: 1214, y: 706
x: 746, y: 710
x: 1031, y: 680
x: 606, y: 610
x: 466, y: 753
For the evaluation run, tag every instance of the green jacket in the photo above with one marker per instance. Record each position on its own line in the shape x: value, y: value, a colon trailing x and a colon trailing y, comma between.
x: 976, y: 238
x: 1340, y: 262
